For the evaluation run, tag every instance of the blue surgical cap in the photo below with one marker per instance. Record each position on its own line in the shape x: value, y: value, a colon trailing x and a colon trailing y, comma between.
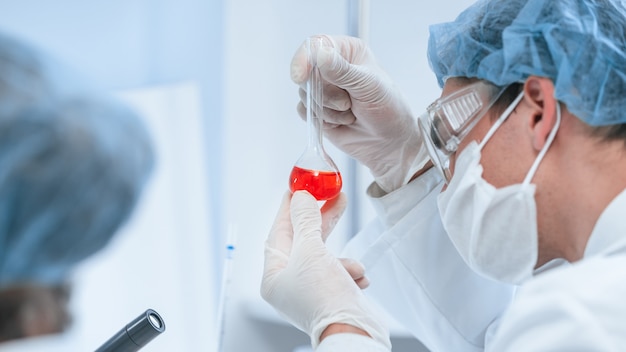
x: 72, y: 167
x: 579, y: 44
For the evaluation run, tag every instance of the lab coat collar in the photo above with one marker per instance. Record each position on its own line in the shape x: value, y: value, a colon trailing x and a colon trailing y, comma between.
x: 609, y: 233
x: 392, y: 206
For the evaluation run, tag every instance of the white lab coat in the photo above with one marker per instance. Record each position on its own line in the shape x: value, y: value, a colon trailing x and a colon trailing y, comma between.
x: 418, y: 277
x: 577, y: 307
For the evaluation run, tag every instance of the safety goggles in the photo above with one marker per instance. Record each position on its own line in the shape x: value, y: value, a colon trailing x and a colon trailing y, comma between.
x: 449, y: 119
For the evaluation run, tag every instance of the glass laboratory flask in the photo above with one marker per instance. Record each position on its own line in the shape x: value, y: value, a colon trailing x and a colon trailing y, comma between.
x: 315, y: 171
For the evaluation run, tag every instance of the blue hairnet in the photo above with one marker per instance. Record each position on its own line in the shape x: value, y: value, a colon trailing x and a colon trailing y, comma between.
x: 579, y: 44
x: 72, y: 167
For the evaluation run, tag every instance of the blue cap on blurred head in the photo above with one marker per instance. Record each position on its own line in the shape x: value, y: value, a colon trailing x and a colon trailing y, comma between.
x: 72, y: 167
x: 579, y: 44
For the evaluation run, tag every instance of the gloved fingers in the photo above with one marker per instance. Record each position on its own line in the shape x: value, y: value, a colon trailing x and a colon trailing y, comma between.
x: 300, y: 66
x: 280, y: 238
x: 331, y: 213
x: 345, y: 63
x: 363, y: 282
x: 301, y: 108
x: 354, y: 50
x: 274, y: 265
x: 306, y: 219
x: 360, y: 81
x: 356, y: 271
x: 277, y: 247
x: 332, y: 118
x: 334, y: 97
x: 301, y: 62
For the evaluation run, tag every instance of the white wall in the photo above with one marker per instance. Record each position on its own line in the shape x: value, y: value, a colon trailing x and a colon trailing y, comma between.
x: 162, y: 257
x: 399, y: 37
x: 264, y: 136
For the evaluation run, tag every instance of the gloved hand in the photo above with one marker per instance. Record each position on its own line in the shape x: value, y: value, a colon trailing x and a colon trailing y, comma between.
x: 304, y: 281
x: 365, y: 115
x: 356, y: 270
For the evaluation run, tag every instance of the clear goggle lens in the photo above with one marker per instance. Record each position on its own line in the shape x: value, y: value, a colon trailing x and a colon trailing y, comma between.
x: 448, y: 120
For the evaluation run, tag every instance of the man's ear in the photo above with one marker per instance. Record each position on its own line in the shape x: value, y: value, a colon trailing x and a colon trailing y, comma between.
x: 539, y: 94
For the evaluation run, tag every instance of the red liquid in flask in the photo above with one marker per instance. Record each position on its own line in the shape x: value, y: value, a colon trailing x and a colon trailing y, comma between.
x: 322, y: 185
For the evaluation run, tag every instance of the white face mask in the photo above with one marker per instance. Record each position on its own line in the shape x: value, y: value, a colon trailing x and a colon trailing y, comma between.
x: 494, y: 230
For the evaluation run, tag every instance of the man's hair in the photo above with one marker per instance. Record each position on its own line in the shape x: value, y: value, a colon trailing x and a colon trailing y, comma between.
x: 604, y: 133
x: 579, y: 44
x: 30, y: 310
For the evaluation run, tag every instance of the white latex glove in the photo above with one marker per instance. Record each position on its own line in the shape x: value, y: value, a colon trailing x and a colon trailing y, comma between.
x: 303, y: 281
x: 356, y: 270
x: 365, y: 114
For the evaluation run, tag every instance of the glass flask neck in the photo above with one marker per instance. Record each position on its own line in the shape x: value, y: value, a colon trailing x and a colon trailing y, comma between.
x: 314, y: 156
x: 315, y: 110
x: 315, y: 171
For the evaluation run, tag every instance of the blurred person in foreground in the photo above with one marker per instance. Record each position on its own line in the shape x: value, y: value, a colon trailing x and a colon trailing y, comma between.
x: 73, y: 164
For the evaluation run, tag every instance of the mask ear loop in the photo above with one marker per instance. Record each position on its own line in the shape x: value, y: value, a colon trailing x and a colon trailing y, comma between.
x: 544, y: 150
x: 505, y: 115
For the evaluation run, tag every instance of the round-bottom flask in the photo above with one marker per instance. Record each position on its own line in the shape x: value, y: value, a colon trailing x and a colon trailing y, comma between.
x: 315, y: 171
x: 322, y: 181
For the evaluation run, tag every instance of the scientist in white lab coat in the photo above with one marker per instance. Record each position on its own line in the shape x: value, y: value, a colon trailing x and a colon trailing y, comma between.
x: 529, y: 140
x: 72, y: 167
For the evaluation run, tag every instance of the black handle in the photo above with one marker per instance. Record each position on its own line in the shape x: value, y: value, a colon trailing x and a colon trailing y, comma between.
x: 135, y: 334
